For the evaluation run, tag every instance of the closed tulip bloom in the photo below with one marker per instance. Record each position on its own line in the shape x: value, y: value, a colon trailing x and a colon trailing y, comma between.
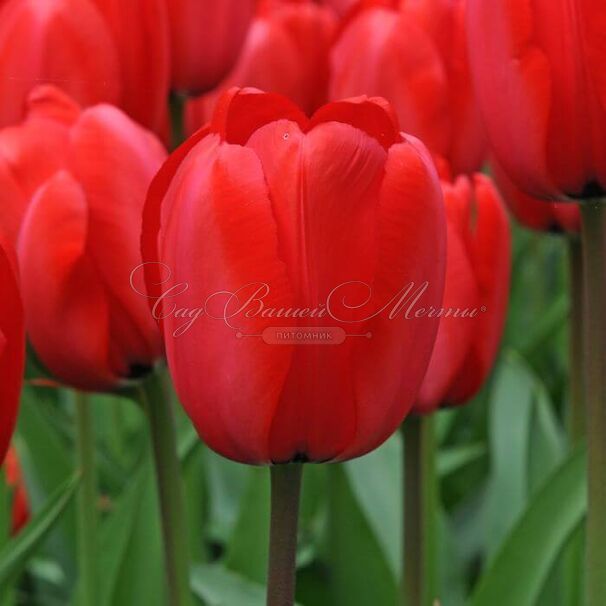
x: 478, y: 271
x: 534, y: 213
x: 14, y: 480
x: 286, y: 52
x: 206, y: 38
x: 415, y: 55
x: 12, y: 347
x: 339, y: 212
x: 78, y: 245
x: 538, y: 69
x: 95, y: 50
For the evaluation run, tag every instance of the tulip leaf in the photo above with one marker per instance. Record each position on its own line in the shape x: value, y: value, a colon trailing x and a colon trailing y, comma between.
x: 523, y: 564
x: 217, y: 586
x: 17, y: 552
x: 510, y: 415
x: 361, y: 573
x: 247, y: 551
x: 376, y: 482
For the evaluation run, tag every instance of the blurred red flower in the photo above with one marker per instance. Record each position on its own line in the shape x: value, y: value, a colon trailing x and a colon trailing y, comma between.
x: 78, y: 240
x: 286, y: 52
x: 478, y: 272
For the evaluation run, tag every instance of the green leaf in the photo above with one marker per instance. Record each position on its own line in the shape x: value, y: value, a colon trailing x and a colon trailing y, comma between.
x: 451, y: 460
x: 217, y: 586
x: 16, y: 553
x: 376, y: 482
x: 522, y: 566
x: 247, y: 551
x: 510, y: 417
x: 360, y: 570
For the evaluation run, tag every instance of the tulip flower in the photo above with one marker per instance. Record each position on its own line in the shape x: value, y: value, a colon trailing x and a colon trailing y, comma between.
x: 478, y: 269
x: 12, y: 347
x: 534, y: 213
x: 415, y: 55
x: 286, y: 52
x: 540, y: 84
x: 206, y: 38
x: 78, y: 243
x: 341, y: 213
x: 96, y: 50
x: 14, y: 480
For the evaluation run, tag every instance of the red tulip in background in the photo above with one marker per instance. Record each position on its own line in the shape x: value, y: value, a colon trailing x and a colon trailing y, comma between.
x: 477, y: 282
x: 539, y: 75
x: 340, y: 6
x: 78, y: 241
x: 12, y: 348
x: 314, y: 209
x: 534, y: 213
x: 96, y: 50
x: 416, y: 57
x: 286, y: 52
x: 15, y: 481
x: 206, y: 38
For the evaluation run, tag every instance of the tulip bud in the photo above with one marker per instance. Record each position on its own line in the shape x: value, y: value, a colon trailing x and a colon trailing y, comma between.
x: 286, y: 52
x: 14, y: 480
x: 478, y: 271
x: 206, y: 38
x: 414, y: 54
x: 12, y: 347
x: 78, y: 245
x: 95, y: 50
x: 538, y: 70
x: 533, y: 212
x: 304, y: 255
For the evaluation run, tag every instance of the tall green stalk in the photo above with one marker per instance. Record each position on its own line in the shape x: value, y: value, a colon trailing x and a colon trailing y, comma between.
x: 159, y: 410
x: 86, y: 501
x: 594, y: 242
x: 419, y: 578
x: 285, y: 495
x: 576, y: 412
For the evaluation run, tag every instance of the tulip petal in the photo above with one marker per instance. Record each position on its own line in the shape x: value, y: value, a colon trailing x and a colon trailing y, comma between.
x: 104, y: 138
x: 59, y: 281
x: 223, y: 238
x: 390, y: 366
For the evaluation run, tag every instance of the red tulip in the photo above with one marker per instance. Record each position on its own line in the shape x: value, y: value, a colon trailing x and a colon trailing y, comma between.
x: 141, y: 33
x: 12, y: 348
x: 286, y: 52
x: 416, y: 57
x: 534, y: 213
x: 538, y: 69
x: 78, y: 247
x: 206, y: 38
x: 475, y: 298
x: 339, y: 213
x: 96, y: 50
x: 15, y: 482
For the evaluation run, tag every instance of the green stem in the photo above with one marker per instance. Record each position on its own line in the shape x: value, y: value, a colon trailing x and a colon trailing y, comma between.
x: 285, y: 493
x: 420, y: 503
x: 594, y: 243
x: 87, y: 500
x: 576, y: 412
x: 159, y: 410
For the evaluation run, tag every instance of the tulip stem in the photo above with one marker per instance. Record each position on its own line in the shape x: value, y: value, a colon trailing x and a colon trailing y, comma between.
x: 285, y: 493
x: 177, y: 116
x: 157, y: 405
x: 594, y: 243
x: 576, y: 412
x: 420, y: 511
x: 87, y: 500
